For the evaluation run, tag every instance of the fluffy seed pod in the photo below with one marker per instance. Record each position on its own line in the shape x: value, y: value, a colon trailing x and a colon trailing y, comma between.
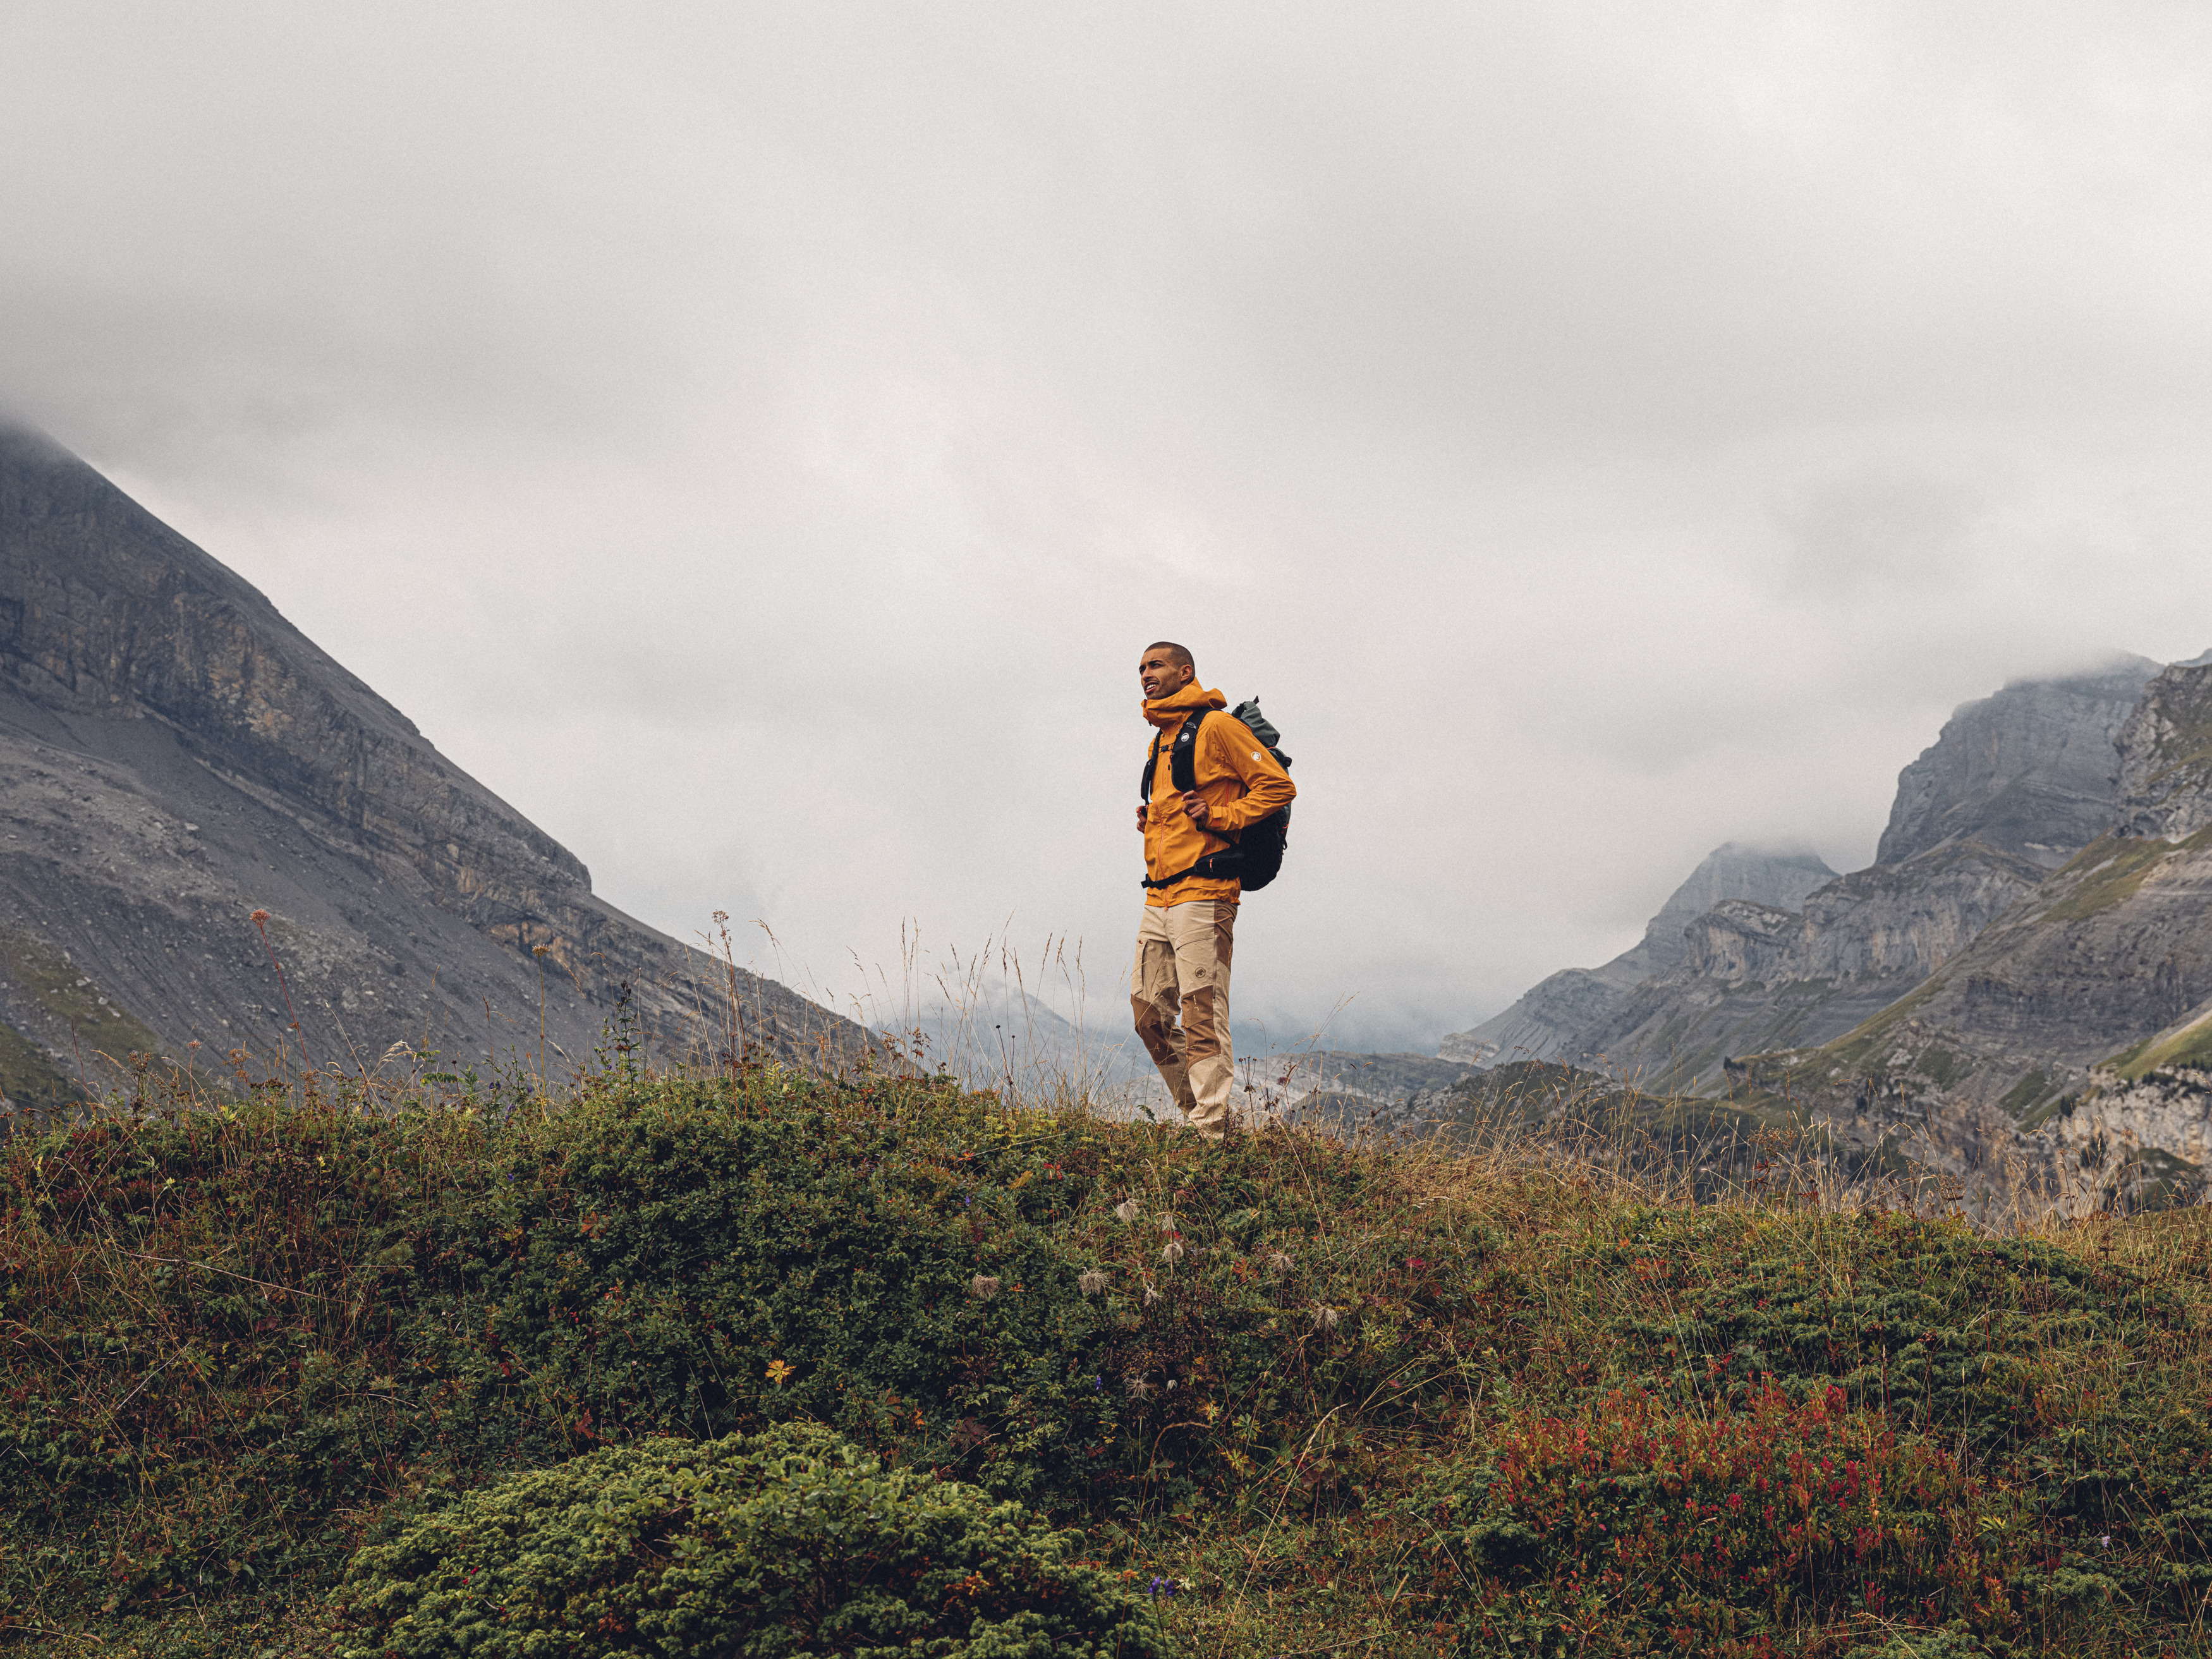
x: 1092, y: 1282
x: 1150, y: 1295
x: 1324, y: 1318
x: 982, y: 1287
x: 1137, y: 1387
x: 1126, y: 1209
x: 1171, y: 1252
x: 1167, y: 1223
x: 1277, y: 1264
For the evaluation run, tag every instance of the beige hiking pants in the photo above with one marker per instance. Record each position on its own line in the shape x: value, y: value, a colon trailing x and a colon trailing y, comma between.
x: 1182, y: 966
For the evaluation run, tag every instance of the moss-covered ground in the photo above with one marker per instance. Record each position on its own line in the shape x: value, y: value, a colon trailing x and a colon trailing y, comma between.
x: 103, y: 1033
x: 1312, y: 1397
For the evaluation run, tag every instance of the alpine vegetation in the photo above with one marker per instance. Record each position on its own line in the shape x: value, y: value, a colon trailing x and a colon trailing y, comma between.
x: 762, y: 1362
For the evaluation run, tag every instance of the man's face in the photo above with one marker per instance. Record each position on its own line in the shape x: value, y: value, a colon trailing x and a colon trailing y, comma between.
x: 1162, y: 676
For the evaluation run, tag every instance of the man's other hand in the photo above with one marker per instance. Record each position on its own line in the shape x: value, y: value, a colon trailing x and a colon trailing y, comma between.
x: 1142, y: 810
x: 1194, y: 806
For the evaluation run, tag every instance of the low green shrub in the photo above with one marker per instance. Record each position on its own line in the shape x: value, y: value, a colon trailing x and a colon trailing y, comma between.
x: 789, y: 1543
x: 198, y: 1362
x: 1950, y: 1641
x: 1949, y: 1330
x: 225, y: 1333
x: 941, y: 1279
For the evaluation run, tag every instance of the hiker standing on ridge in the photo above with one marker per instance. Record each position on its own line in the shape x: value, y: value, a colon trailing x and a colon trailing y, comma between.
x: 1231, y: 780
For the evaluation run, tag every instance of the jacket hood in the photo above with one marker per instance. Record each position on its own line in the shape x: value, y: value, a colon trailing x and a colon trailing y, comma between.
x: 1172, y: 710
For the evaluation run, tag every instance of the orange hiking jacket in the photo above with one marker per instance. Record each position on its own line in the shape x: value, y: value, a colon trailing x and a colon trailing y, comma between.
x: 1239, y: 780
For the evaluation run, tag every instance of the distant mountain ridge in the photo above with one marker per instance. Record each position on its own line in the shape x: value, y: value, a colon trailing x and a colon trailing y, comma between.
x: 174, y: 756
x: 2016, y: 995
x: 2014, y: 784
x: 1553, y: 1017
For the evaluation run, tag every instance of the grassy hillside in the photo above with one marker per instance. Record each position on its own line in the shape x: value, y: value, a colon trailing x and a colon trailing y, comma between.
x: 1281, y: 1396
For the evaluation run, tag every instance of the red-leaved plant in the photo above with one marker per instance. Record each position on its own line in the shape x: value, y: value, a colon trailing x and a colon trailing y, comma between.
x: 1743, y: 1528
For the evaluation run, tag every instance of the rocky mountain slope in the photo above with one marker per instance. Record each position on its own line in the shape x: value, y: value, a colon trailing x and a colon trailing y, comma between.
x: 176, y: 758
x: 1551, y: 1018
x: 1351, y: 1091
x: 2015, y: 784
x: 2029, y: 770
x: 2069, y: 1044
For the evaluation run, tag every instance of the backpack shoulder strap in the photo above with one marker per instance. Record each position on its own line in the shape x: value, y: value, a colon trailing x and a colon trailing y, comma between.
x: 1183, y: 759
x: 1152, y: 769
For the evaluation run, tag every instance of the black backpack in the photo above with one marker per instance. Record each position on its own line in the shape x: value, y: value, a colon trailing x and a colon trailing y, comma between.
x: 1256, y: 854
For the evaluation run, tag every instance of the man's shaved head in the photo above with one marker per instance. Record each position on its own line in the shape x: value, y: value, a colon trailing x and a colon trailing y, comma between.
x: 1165, y: 669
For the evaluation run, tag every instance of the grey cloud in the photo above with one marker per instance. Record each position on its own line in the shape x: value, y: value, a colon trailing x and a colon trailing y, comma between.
x: 755, y: 438
x: 1887, y: 530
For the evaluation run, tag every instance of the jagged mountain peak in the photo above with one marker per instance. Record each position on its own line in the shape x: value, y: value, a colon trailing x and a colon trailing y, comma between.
x: 2065, y: 1046
x: 112, y: 575
x: 106, y: 611
x: 1780, y: 876
x: 1548, y: 1019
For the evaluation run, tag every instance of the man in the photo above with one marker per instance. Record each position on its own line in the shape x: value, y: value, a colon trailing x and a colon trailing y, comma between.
x: 1190, y: 895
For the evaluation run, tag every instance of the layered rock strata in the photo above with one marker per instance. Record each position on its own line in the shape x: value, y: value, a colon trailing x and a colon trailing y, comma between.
x: 2028, y: 770
x: 1553, y: 1019
x: 174, y: 757
x: 1756, y: 977
x: 2078, y: 1021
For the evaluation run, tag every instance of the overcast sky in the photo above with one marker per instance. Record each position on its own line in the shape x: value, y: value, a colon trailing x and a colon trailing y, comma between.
x: 756, y: 441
